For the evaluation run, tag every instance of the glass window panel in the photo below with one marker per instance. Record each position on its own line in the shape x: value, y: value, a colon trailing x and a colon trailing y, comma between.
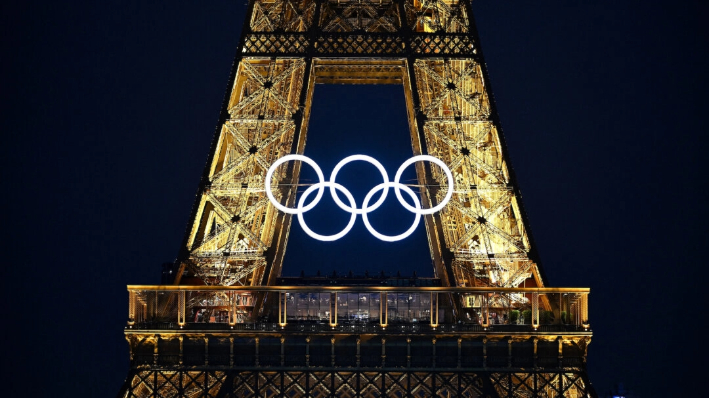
x: 324, y: 310
x: 359, y: 307
x: 342, y: 310
x: 291, y: 308
x: 301, y: 301
x: 373, y: 300
x: 404, y: 307
x: 353, y: 306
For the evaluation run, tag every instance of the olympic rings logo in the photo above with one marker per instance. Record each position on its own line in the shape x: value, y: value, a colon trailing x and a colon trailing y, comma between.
x: 366, y: 207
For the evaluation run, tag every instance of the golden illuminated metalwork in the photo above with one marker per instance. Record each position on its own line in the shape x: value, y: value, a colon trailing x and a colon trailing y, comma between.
x: 413, y: 346
x: 485, y: 326
x: 237, y: 237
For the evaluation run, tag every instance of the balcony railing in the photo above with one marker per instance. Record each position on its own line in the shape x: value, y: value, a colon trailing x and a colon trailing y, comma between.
x: 359, y: 309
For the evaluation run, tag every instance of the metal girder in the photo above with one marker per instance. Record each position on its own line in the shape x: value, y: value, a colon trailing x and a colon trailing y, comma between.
x: 237, y: 237
x: 309, y: 382
x: 234, y: 225
x: 426, y: 45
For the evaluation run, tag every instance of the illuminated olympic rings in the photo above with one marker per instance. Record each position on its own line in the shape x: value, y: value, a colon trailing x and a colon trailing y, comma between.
x: 366, y: 207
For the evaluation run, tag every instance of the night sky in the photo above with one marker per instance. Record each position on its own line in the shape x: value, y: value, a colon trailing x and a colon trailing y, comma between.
x: 108, y: 111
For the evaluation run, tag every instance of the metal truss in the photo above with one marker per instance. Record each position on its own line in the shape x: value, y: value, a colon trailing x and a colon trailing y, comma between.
x: 209, y: 343
x: 234, y: 224
x: 272, y: 363
x: 350, y: 383
x: 359, y: 28
x: 237, y: 237
x: 482, y: 226
x: 174, y: 355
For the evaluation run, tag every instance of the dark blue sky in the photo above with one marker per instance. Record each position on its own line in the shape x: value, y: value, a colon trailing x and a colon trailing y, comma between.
x: 108, y: 109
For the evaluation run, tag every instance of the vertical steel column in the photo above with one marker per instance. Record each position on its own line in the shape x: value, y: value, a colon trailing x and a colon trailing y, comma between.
x: 307, y: 351
x: 535, y: 310
x: 181, y: 308
x: 206, y: 351
x: 560, y: 373
x: 131, y: 307
x: 332, y: 351
x: 383, y: 310
x: 408, y: 352
x: 155, y: 307
x: 509, y: 353
x: 333, y: 309
x: 155, y: 350
x: 282, y: 308
x: 434, y: 309
x: 233, y: 296
x: 460, y: 352
x: 584, y: 311
x: 181, y: 350
x: 231, y: 351
x: 384, y: 353
x: 358, y: 356
x: 485, y: 310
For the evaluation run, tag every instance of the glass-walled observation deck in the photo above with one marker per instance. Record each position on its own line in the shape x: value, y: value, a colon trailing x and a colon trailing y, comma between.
x: 358, y: 307
x: 364, y: 308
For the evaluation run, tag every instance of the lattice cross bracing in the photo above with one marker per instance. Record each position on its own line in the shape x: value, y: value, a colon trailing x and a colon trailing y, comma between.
x: 480, y: 239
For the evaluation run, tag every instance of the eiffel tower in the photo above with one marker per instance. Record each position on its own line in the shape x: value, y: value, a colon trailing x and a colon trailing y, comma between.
x: 229, y: 325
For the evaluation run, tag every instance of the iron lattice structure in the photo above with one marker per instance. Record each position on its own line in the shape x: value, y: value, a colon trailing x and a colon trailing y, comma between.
x: 228, y: 343
x: 387, y: 355
x: 237, y: 237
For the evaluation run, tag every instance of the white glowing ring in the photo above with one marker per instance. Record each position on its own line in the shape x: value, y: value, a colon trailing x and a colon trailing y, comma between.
x: 354, y: 208
x: 371, y: 229
x: 435, y: 161
x: 320, y: 186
